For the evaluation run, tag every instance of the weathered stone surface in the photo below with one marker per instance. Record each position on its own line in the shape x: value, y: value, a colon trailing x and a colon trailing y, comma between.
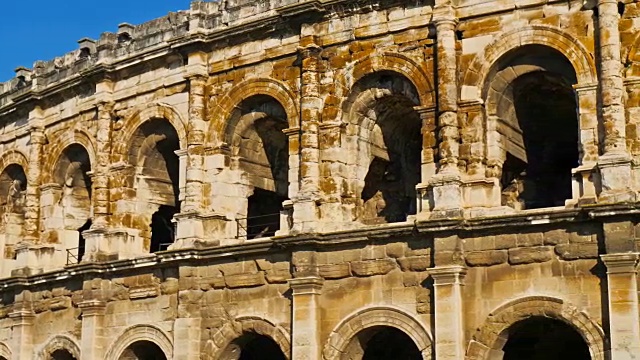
x: 334, y: 271
x: 245, y: 280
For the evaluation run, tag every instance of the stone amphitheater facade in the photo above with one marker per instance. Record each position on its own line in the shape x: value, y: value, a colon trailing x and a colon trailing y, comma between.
x: 328, y: 179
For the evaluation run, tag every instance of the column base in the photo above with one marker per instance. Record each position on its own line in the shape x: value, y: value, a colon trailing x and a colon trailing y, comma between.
x: 447, y: 196
x: 33, y: 259
x: 615, y: 179
x: 197, y: 230
x: 111, y: 244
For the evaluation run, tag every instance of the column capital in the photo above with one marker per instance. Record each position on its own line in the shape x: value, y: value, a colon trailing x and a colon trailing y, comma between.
x: 92, y: 307
x: 448, y: 275
x: 623, y: 263
x: 311, y: 285
x: 22, y: 315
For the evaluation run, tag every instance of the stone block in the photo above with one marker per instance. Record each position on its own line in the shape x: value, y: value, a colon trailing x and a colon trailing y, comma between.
x: 372, y: 267
x: 334, y: 271
x: 577, y: 251
x: 244, y: 280
x: 530, y: 255
x: 414, y: 263
x: 486, y: 258
x: 505, y: 241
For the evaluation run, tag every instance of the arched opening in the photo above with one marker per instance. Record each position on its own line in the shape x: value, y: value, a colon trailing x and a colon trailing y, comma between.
x: 385, y: 142
x: 153, y: 151
x: 531, y: 98
x: 73, y: 205
x: 62, y: 354
x: 13, y: 186
x: 381, y: 343
x: 260, y: 150
x: 539, y: 338
x: 252, y: 346
x: 143, y: 350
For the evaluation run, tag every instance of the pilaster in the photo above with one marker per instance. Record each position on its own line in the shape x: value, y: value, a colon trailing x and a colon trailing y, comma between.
x: 306, y: 341
x: 93, y: 343
x: 449, y: 310
x: 624, y: 321
x: 23, y: 318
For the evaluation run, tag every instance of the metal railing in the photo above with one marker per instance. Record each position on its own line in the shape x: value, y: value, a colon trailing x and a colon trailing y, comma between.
x: 260, y: 226
x: 73, y: 259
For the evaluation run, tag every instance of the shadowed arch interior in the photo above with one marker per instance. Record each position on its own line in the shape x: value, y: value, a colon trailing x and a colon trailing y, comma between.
x: 260, y: 149
x: 531, y: 98
x: 540, y: 338
x: 143, y: 350
x: 62, y: 354
x: 13, y: 184
x: 253, y: 346
x: 386, y: 130
x: 153, y: 151
x: 380, y: 343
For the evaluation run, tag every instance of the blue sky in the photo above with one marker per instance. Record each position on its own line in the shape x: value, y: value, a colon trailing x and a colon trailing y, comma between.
x: 41, y: 30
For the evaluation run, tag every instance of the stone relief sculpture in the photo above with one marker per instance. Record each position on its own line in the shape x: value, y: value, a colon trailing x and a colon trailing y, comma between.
x: 15, y: 198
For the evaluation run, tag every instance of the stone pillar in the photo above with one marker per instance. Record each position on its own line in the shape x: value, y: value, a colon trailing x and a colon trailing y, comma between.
x: 615, y: 162
x: 101, y: 168
x: 34, y: 178
x: 23, y: 317
x: 585, y: 182
x: 304, y: 204
x: 449, y: 312
x: 190, y: 228
x: 306, y: 341
x: 32, y: 256
x: 624, y: 321
x: 93, y: 344
x: 447, y: 195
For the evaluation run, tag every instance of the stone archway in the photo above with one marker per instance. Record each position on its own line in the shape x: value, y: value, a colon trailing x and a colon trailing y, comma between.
x: 381, y: 323
x: 139, y: 341
x: 489, y: 341
x: 5, y: 352
x: 59, y: 347
x: 251, y: 335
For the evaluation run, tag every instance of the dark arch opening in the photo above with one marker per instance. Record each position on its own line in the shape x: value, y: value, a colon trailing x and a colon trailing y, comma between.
x: 531, y: 93
x: 394, y: 142
x: 153, y: 150
x: 143, y: 350
x: 262, y: 151
x: 382, y: 343
x: 62, y: 354
x: 252, y: 346
x: 540, y: 338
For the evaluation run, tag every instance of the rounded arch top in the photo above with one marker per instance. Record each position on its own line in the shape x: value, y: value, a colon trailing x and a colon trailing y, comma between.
x: 348, y: 328
x: 16, y: 157
x: 137, y: 333
x: 59, y: 342
x: 153, y: 111
x: 580, y: 58
x: 233, y: 330
x: 392, y: 62
x: 279, y: 91
x: 492, y: 334
x: 63, y: 142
